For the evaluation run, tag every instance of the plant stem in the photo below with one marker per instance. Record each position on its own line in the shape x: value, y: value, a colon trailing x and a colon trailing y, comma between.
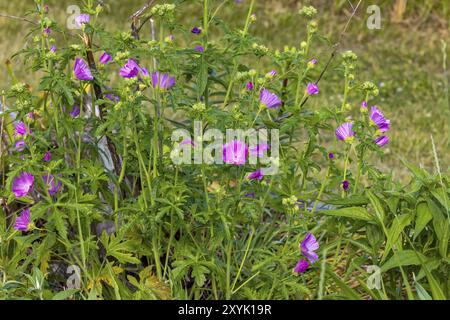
x: 249, y: 242
x: 345, y: 168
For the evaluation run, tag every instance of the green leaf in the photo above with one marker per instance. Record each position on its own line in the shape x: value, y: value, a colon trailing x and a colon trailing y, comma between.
x: 423, y: 217
x: 436, y: 290
x: 198, y: 272
x: 349, y: 201
x: 358, y: 213
x: 202, y: 78
x: 398, y: 224
x: 63, y: 295
x: 346, y: 289
x: 419, y: 173
x: 376, y: 203
x: 121, y: 250
x: 57, y: 218
x: 441, y: 195
x: 403, y: 258
x: 441, y: 227
x: 422, y: 293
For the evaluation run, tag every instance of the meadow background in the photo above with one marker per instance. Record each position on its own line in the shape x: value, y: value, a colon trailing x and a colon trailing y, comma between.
x: 407, y: 56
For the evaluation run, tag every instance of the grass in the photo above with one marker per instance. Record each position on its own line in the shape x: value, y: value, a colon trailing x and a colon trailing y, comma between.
x: 406, y: 60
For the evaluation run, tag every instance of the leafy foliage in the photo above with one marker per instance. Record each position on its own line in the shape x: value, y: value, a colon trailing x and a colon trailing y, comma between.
x: 138, y: 226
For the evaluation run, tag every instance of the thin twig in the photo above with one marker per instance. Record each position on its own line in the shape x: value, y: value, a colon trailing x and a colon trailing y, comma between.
x: 5, y: 15
x: 99, y: 95
x: 135, y: 25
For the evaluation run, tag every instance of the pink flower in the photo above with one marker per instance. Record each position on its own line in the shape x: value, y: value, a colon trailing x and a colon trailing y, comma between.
x: 345, y: 132
x: 20, y: 145
x: 259, y: 150
x: 269, y: 99
x: 187, y: 141
x: 162, y: 81
x: 235, y: 152
x: 105, y: 58
x: 82, y: 19
x: 378, y: 119
x: 21, y: 130
x: 130, y: 69
x: 47, y: 156
x: 382, y: 141
x: 256, y: 175
x: 308, y: 247
x: 82, y: 71
x: 22, y: 184
x: 52, y: 185
x: 312, y: 89
x: 22, y: 222
x: 302, y: 266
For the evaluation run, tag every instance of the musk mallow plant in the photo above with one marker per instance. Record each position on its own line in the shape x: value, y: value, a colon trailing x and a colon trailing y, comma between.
x: 89, y: 179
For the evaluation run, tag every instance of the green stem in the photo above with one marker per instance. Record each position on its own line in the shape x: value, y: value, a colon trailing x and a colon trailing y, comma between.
x: 345, y: 168
x: 322, y: 188
x: 233, y: 74
x: 346, y: 89
x: 228, y: 270
x: 250, y: 239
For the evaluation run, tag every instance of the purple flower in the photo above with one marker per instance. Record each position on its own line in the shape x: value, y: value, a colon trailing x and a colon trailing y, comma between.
x: 22, y: 222
x: 313, y: 62
x: 345, y: 185
x: 53, y: 48
x: 112, y: 97
x: 20, y: 145
x: 249, y: 195
x: 312, y: 89
x: 47, y: 30
x: 187, y: 141
x: 302, y: 266
x: 52, y: 185
x: 144, y: 72
x: 308, y: 246
x: 199, y: 49
x: 196, y: 30
x: 30, y: 115
x: 330, y: 155
x: 162, y: 81
x: 363, y: 107
x: 130, y: 69
x: 272, y: 73
x: 22, y: 184
x: 258, y: 151
x: 21, y: 130
x: 47, y: 156
x: 382, y: 141
x: 344, y: 132
x: 269, y: 99
x: 256, y: 175
x: 82, y: 71
x: 105, y: 58
x: 377, y: 118
x: 82, y: 19
x: 249, y: 86
x: 235, y: 152
x: 75, y: 111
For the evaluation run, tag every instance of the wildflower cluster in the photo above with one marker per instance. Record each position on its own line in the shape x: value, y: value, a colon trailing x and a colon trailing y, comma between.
x: 90, y: 161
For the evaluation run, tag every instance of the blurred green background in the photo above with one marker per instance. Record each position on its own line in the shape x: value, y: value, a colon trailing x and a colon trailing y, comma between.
x: 405, y: 58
